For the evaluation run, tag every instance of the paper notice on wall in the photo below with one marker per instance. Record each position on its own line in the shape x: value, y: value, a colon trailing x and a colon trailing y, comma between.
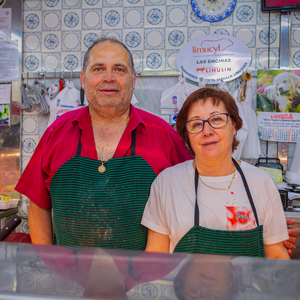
x: 5, y: 92
x: 9, y: 61
x: 5, y: 24
x: 278, y: 127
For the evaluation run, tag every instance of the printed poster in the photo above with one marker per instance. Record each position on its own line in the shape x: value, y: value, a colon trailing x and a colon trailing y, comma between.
x: 278, y: 105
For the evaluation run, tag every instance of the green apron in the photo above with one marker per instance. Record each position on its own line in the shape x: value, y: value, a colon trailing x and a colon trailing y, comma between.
x: 210, y: 241
x: 93, y: 209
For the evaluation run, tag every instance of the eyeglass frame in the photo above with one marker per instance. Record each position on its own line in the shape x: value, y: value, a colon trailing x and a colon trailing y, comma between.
x: 207, y: 120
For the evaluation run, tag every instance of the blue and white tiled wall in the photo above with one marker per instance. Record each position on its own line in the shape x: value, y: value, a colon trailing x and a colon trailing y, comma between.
x: 56, y: 34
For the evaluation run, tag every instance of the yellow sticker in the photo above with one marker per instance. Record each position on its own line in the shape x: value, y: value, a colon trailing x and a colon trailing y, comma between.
x: 276, y: 174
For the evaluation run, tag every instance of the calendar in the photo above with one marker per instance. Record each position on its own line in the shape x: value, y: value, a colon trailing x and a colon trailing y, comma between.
x: 278, y: 127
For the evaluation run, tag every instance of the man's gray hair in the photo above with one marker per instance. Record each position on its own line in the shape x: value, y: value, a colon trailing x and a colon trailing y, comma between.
x: 112, y: 40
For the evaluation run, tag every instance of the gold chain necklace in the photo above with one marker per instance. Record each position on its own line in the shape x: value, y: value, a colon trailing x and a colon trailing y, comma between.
x: 101, y: 169
x: 221, y: 189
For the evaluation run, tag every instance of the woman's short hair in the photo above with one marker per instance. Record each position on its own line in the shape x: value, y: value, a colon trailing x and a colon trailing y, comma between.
x: 217, y: 96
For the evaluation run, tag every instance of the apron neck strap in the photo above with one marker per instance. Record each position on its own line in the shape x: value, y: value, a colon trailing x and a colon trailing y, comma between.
x: 197, y: 215
x: 133, y: 142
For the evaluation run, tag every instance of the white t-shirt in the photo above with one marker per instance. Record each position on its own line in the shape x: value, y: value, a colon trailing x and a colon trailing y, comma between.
x: 171, y: 204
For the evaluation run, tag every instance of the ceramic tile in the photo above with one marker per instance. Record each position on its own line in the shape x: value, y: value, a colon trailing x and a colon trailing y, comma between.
x: 32, y: 21
x: 171, y: 56
x: 51, y: 61
x: 154, y: 38
x: 154, y: 60
x: 82, y: 59
x: 91, y: 3
x: 176, y: 37
x: 176, y: 16
x: 263, y: 16
x: 225, y: 30
x: 295, y: 17
x: 23, y: 208
x: 194, y: 32
x: 71, y: 4
x: 71, y: 41
x: 71, y: 61
x: 133, y: 17
x: 28, y: 144
x: 32, y: 5
x: 112, y: 18
x: 253, y: 59
x: 64, y: 285
x: 71, y: 20
x: 51, y: 41
x: 155, y: 2
x: 32, y: 62
x: 117, y: 33
x: 245, y: 14
x: 25, y: 160
x: 88, y: 37
x: 262, y: 58
x: 227, y: 21
x: 177, y: 2
x: 295, y: 35
x: 246, y: 34
x: 128, y: 3
x: 112, y: 3
x: 24, y: 226
x: 52, y: 4
x: 32, y: 42
x: 295, y: 53
x: 51, y: 20
x: 194, y: 20
x: 134, y: 39
x: 46, y: 282
x: 246, y: 1
x: 30, y: 125
x: 137, y: 56
x: 264, y: 34
x: 92, y: 19
x: 155, y: 16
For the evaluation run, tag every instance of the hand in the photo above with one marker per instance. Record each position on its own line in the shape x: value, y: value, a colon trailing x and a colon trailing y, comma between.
x: 293, y: 233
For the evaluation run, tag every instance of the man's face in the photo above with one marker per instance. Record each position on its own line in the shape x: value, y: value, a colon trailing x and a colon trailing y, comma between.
x: 108, y: 81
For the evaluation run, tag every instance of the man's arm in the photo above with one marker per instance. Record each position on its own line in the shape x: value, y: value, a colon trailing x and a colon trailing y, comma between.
x: 293, y: 234
x: 40, y: 224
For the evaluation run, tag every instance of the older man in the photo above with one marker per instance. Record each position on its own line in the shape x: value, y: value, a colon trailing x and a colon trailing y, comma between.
x: 94, y: 166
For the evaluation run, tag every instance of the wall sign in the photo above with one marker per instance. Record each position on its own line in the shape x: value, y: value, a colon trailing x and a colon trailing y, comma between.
x: 214, y: 57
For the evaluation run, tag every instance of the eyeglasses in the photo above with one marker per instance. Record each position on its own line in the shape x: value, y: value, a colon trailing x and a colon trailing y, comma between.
x: 215, y: 121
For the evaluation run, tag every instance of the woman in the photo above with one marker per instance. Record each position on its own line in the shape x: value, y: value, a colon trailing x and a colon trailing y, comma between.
x: 214, y: 204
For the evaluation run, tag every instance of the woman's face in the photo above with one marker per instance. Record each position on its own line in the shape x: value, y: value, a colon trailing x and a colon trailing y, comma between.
x: 211, y: 145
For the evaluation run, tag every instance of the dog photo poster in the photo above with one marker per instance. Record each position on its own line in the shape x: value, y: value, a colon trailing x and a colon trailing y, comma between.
x: 278, y: 105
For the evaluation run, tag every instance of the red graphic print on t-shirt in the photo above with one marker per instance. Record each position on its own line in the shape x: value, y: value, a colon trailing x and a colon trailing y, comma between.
x: 240, y: 218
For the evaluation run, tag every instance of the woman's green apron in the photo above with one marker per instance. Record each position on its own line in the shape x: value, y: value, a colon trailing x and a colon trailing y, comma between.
x: 237, y: 243
x: 95, y: 209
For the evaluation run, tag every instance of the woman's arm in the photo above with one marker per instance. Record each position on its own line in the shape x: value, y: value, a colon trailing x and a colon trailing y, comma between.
x: 276, y: 251
x: 157, y: 242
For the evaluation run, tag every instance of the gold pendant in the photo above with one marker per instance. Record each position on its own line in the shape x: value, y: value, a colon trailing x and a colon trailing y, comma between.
x: 101, y: 169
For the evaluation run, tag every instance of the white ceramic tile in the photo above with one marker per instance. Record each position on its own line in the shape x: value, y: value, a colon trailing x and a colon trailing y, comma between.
x: 225, y: 30
x: 71, y: 41
x: 154, y: 60
x: 91, y: 3
x: 71, y: 61
x: 71, y: 19
x: 32, y: 62
x: 32, y: 21
x: 262, y: 58
x: 133, y: 38
x: 137, y: 56
x: 295, y: 53
x: 133, y: 17
x: 194, y: 20
x: 51, y: 61
x: 225, y: 22
x: 262, y: 36
x: 253, y: 58
x: 177, y: 2
x: 29, y: 143
x: 117, y: 33
x: 88, y: 37
x: 32, y: 42
x: 127, y: 3
x: 295, y: 35
x: 245, y: 14
x: 71, y: 4
x: 155, y: 16
x: 82, y: 59
x: 176, y: 16
x: 25, y: 161
x: 263, y: 16
x: 92, y: 19
x: 112, y: 18
x: 52, y: 4
x: 295, y: 17
x: 51, y: 41
x: 171, y: 56
x: 154, y: 38
x: 155, y: 2
x: 24, y: 226
x: 247, y: 1
x: 246, y: 34
x: 32, y: 5
x: 194, y: 32
x: 112, y: 3
x: 51, y: 20
x: 176, y: 37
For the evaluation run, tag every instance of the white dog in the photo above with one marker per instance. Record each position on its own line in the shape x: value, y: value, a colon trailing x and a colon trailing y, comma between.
x: 284, y: 85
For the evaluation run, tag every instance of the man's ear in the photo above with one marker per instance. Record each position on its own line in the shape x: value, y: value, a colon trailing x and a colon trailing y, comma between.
x: 82, y: 79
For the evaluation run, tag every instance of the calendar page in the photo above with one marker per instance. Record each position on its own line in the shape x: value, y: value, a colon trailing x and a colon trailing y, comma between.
x: 278, y: 105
